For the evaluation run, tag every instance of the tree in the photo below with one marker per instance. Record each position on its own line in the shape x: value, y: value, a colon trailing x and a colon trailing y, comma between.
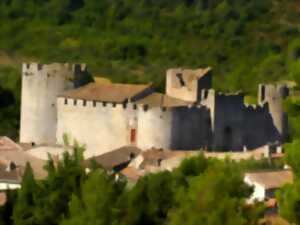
x: 289, y: 195
x: 24, y: 209
x: 6, y: 211
x: 97, y: 201
x: 148, y: 202
x: 215, y: 197
x: 64, y: 179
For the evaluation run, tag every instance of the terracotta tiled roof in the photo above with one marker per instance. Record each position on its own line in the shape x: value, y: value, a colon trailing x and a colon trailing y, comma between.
x: 115, y: 158
x: 161, y: 100
x: 271, y: 179
x: 107, y: 92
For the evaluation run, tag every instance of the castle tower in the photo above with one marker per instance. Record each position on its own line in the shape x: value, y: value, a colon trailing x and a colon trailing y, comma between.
x: 41, y: 84
x: 186, y: 84
x: 274, y: 95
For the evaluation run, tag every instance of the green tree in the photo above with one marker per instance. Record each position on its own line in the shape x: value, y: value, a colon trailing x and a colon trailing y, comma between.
x: 64, y: 178
x: 148, y: 202
x: 215, y: 197
x: 96, y: 204
x: 289, y: 195
x: 24, y: 209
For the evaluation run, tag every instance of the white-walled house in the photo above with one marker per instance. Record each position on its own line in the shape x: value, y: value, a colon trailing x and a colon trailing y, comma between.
x: 266, y: 183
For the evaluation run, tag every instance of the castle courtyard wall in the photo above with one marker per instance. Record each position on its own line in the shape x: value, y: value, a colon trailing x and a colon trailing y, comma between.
x: 191, y: 128
x: 102, y: 127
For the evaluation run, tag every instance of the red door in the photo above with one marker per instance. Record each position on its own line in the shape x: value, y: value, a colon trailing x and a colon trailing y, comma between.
x: 133, y: 136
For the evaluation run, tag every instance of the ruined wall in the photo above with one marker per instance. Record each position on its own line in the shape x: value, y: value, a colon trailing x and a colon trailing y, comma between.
x: 191, y: 128
x: 273, y: 96
x: 154, y: 128
x: 40, y: 86
x: 187, y: 84
x: 259, y: 128
x: 102, y: 127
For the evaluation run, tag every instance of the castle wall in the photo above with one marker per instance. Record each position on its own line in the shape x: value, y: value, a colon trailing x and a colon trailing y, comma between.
x: 40, y: 86
x: 259, y: 128
x: 191, y: 128
x: 154, y: 128
x: 228, y: 124
x: 102, y: 127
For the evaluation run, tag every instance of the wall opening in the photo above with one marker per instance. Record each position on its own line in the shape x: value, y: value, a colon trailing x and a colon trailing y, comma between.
x: 180, y: 78
x: 228, y: 138
x: 132, y: 136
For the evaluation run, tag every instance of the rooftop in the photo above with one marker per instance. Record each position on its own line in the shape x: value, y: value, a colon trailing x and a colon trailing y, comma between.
x: 106, y: 92
x: 271, y: 179
x: 116, y: 158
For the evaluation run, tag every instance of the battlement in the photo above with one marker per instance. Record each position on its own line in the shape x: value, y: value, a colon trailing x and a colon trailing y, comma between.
x: 256, y: 107
x: 53, y: 68
x: 70, y: 102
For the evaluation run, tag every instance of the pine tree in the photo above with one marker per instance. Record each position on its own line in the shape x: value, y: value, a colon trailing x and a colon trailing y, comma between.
x: 23, y: 213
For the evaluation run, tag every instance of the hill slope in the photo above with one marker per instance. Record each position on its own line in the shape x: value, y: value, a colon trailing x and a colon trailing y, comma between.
x: 245, y: 41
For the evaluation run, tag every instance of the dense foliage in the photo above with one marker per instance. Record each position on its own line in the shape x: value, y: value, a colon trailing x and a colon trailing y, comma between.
x: 207, y: 190
x: 245, y: 41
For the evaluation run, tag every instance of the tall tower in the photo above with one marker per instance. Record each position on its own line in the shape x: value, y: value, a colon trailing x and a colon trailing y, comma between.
x: 41, y: 84
x: 273, y: 95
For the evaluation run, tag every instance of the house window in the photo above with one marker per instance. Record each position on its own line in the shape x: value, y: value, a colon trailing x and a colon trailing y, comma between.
x: 132, y: 136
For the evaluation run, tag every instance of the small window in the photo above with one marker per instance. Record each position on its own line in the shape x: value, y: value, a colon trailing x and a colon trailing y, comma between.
x: 75, y: 102
x: 66, y: 101
x: 84, y: 102
x: 104, y: 103
x: 134, y: 106
x: 114, y: 104
x: 145, y: 107
x: 94, y: 103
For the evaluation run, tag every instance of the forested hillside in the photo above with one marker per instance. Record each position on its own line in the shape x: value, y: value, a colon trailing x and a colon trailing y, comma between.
x: 245, y: 41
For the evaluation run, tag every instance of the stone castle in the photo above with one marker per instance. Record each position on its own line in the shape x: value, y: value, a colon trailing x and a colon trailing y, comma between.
x: 189, y: 116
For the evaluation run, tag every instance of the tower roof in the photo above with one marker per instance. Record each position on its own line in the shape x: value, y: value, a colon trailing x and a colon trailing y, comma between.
x: 118, y: 93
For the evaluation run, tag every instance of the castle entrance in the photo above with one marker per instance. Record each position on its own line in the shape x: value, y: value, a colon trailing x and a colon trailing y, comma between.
x: 228, y: 138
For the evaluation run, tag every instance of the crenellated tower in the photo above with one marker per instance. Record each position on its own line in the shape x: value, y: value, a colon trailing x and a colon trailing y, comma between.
x: 41, y: 84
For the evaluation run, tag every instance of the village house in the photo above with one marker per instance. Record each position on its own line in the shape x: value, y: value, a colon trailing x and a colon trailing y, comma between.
x: 267, y: 182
